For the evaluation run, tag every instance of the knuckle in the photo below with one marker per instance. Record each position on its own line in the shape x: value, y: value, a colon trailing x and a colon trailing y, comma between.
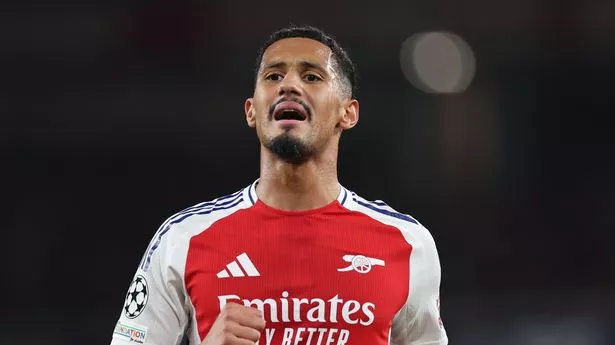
x: 260, y: 324
x: 228, y: 315
x: 224, y: 317
x: 229, y: 306
x: 254, y: 335
x: 228, y: 336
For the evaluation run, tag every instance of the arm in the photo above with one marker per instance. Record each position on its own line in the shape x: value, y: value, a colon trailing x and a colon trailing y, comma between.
x: 418, y: 322
x: 154, y: 311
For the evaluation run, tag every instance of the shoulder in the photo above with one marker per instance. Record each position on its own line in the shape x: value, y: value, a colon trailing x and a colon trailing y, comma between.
x: 209, y: 210
x: 181, y: 226
x: 412, y: 230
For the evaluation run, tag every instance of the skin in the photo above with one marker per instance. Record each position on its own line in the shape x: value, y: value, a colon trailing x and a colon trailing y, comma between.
x: 282, y: 185
x: 236, y: 325
x: 285, y: 74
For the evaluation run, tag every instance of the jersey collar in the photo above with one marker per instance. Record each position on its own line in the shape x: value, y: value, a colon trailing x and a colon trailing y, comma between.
x: 251, y: 197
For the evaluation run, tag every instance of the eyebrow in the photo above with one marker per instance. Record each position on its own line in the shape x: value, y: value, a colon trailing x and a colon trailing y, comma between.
x: 303, y: 63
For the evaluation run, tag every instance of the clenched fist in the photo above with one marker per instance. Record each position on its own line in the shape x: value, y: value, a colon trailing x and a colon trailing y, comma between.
x: 236, y: 325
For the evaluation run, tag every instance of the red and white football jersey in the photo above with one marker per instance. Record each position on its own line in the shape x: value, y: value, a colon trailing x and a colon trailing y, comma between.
x: 352, y: 272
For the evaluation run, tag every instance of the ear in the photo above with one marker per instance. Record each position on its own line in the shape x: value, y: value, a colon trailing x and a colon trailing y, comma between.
x: 351, y: 114
x: 250, y: 112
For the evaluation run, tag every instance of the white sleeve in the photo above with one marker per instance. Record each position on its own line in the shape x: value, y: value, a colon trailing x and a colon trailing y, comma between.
x: 155, y: 311
x: 419, y: 322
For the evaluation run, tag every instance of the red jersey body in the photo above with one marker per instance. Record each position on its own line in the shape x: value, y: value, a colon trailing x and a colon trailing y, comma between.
x: 351, y: 272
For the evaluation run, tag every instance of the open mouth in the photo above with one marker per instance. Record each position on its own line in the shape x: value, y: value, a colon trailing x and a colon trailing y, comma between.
x: 289, y: 115
x: 289, y: 110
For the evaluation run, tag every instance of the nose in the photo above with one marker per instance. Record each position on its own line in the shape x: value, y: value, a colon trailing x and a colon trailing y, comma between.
x: 290, y: 85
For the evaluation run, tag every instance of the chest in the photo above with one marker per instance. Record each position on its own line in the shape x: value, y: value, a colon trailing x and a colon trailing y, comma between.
x: 340, y: 272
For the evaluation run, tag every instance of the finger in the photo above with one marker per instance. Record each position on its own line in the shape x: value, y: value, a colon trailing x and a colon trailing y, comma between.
x: 228, y: 338
x: 238, y: 341
x: 244, y: 309
x: 246, y: 316
x: 252, y: 321
x: 244, y: 332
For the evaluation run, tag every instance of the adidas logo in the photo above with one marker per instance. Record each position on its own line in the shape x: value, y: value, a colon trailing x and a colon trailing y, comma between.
x: 240, y: 267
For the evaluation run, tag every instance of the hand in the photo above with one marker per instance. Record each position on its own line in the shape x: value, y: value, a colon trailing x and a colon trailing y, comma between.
x: 236, y: 325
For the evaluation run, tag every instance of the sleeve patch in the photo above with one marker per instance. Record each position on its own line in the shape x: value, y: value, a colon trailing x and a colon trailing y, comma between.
x: 136, y: 298
x: 132, y: 333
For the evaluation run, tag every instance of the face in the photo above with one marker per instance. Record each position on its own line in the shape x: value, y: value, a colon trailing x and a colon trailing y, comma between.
x: 299, y: 107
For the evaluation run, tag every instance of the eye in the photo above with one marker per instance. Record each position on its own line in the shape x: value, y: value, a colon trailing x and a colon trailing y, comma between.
x: 311, y: 77
x: 274, y: 77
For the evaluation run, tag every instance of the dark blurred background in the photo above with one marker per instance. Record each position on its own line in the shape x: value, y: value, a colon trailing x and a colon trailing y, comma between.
x: 488, y: 121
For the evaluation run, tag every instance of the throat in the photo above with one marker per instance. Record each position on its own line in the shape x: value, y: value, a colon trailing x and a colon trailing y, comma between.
x: 294, y: 191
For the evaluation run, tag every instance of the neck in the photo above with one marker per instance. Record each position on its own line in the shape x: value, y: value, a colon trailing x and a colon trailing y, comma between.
x: 306, y: 186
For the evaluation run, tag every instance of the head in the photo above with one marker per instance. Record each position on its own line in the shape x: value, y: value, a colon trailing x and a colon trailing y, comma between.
x: 304, y: 94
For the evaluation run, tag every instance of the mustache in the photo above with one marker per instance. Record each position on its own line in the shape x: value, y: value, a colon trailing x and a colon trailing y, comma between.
x: 305, y: 106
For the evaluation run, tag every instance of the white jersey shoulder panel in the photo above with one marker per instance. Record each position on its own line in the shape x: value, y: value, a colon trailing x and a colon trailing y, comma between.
x: 164, y: 315
x: 418, y: 321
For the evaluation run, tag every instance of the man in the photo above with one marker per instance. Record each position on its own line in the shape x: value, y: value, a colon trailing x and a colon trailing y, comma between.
x: 294, y: 258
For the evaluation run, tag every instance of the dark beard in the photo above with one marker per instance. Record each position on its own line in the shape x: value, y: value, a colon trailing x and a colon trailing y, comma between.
x: 289, y: 149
